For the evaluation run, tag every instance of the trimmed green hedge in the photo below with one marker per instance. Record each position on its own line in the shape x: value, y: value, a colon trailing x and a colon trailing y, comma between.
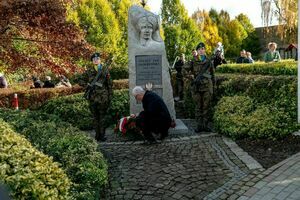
x: 240, y: 117
x: 273, y: 99
x: 77, y: 107
x: 73, y: 109
x: 76, y: 151
x: 119, y: 72
x: 278, y: 68
x: 29, y: 173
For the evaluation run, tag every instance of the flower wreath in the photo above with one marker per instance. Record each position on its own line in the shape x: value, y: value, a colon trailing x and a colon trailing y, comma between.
x: 127, y: 126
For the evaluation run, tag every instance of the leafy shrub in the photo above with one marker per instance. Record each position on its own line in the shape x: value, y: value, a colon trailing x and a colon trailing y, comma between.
x: 29, y: 173
x: 189, y: 104
x: 77, y: 107
x: 239, y: 117
x: 75, y: 150
x: 120, y: 84
x: 275, y: 95
x: 230, y: 116
x: 73, y: 109
x: 119, y: 106
x: 279, y: 68
x: 269, y: 123
x: 119, y: 72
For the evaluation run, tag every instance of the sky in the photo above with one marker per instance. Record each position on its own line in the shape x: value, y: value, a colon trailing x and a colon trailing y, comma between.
x: 251, y: 8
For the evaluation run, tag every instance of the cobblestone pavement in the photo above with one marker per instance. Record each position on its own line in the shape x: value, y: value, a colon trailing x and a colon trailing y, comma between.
x: 282, y: 181
x: 205, y: 166
x: 183, y: 168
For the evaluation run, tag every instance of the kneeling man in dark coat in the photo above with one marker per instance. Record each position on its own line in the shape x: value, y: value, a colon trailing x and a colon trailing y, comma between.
x: 155, y: 119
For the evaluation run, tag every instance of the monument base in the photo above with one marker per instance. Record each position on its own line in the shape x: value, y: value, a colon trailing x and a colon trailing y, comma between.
x: 180, y: 128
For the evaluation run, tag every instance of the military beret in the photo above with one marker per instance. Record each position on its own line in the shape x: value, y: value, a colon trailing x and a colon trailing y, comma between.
x: 200, y: 45
x: 95, y: 55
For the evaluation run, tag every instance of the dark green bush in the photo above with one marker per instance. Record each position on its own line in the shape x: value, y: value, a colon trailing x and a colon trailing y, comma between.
x: 75, y: 150
x: 119, y: 105
x: 278, y: 68
x: 269, y: 122
x: 276, y: 95
x: 239, y: 117
x: 119, y: 72
x: 29, y: 173
x: 75, y: 110
x: 120, y: 84
x: 230, y: 116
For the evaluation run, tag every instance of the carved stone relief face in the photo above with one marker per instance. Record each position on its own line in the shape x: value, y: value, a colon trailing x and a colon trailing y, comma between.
x: 146, y: 29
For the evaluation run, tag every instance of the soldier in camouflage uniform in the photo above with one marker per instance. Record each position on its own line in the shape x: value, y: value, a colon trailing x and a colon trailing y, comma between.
x: 203, y: 81
x: 100, y: 95
x: 179, y: 77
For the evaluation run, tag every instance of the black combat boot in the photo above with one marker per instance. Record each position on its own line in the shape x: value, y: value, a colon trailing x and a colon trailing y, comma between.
x: 100, y: 135
x: 206, y: 128
x: 200, y: 126
x: 199, y: 129
x: 149, y: 137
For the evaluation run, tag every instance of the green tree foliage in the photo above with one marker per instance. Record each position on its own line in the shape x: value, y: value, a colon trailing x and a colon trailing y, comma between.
x: 251, y: 42
x: 208, y: 28
x: 99, y: 21
x: 236, y: 34
x: 245, y: 22
x: 120, y: 8
x: 214, y: 16
x: 222, y: 19
x: 180, y: 31
x: 232, y: 32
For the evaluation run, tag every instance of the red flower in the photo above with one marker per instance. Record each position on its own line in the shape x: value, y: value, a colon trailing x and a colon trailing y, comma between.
x: 127, y: 125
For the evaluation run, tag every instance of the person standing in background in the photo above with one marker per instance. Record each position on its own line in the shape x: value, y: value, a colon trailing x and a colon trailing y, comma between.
x: 272, y: 55
x: 179, y: 77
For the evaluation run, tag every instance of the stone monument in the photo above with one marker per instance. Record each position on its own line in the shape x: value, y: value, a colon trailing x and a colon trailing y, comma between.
x: 148, y: 64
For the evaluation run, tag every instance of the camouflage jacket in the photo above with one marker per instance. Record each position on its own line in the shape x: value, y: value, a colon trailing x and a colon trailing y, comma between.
x: 202, y: 73
x: 102, y: 89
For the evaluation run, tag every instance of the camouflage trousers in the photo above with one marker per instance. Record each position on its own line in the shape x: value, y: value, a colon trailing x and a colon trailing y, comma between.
x: 202, y: 101
x: 179, y: 87
x: 99, y: 112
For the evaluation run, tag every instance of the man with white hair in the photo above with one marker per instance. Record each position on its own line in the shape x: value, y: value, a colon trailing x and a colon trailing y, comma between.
x: 155, y: 118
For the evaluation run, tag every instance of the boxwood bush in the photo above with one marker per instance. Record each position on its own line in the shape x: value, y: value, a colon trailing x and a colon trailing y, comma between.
x: 119, y: 72
x: 279, y: 68
x: 29, y: 173
x: 274, y: 103
x: 73, y: 149
x: 240, y: 117
x: 75, y: 110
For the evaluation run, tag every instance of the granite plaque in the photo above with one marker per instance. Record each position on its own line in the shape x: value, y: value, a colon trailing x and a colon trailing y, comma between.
x: 158, y: 91
x: 148, y: 69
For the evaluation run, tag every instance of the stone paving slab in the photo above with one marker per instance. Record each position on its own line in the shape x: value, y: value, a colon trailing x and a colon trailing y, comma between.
x: 282, y: 181
x: 188, y: 168
x: 244, y: 156
x: 195, y: 166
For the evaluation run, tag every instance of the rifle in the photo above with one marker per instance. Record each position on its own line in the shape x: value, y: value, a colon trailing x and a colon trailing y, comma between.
x: 90, y: 88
